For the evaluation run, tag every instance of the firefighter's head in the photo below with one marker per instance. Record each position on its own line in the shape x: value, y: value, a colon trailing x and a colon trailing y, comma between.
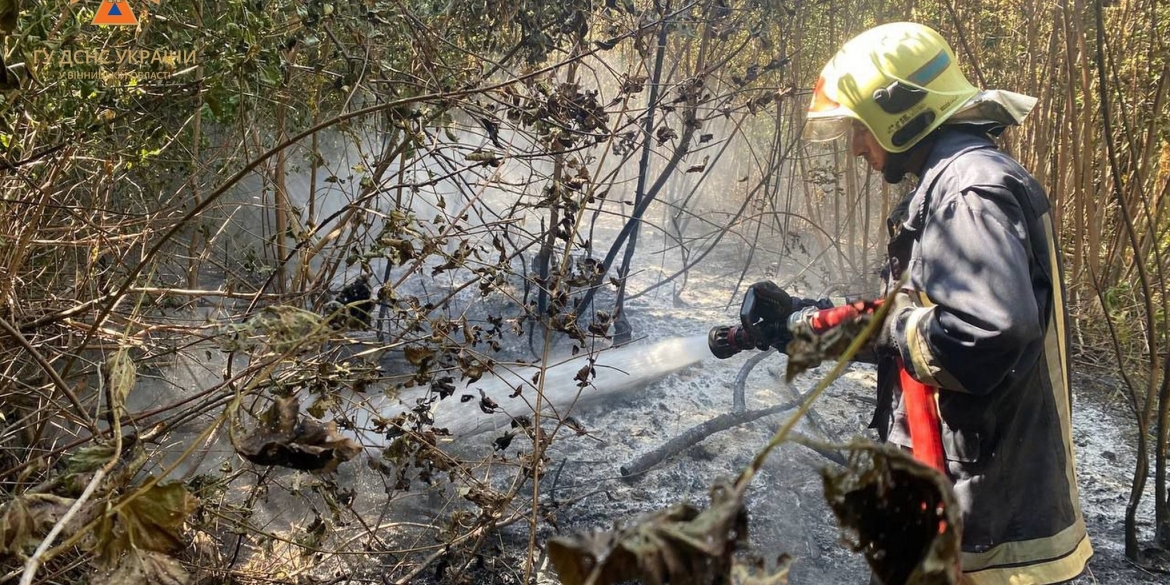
x: 888, y: 88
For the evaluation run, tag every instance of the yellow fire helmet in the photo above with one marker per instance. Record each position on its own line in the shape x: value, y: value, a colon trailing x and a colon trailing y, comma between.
x: 900, y: 79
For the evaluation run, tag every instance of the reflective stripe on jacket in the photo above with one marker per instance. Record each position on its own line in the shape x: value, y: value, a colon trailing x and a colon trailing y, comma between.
x: 976, y: 238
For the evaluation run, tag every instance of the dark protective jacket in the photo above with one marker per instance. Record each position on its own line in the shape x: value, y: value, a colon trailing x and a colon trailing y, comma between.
x: 976, y: 242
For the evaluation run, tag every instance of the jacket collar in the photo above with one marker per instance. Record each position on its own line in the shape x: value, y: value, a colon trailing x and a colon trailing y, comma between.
x: 910, y: 213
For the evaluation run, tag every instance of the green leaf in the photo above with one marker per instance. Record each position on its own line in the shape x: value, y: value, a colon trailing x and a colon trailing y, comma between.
x: 211, y: 101
x: 89, y: 458
x: 271, y: 75
x: 285, y: 328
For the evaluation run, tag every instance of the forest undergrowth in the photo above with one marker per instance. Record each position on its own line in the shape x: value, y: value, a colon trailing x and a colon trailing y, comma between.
x: 236, y: 230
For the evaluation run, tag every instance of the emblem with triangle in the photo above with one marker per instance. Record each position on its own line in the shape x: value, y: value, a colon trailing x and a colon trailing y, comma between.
x: 115, y: 12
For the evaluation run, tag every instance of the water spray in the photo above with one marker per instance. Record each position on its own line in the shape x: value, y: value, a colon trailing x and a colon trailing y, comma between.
x: 615, y: 371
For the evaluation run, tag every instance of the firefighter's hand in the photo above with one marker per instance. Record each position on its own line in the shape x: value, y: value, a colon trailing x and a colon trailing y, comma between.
x: 892, y: 330
x: 764, y: 314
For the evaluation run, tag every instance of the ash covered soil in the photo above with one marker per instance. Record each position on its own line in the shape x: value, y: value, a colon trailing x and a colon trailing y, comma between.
x: 786, y: 506
x: 787, y: 512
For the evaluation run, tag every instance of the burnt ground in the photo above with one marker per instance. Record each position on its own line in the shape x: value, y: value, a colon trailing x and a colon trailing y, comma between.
x: 786, y: 506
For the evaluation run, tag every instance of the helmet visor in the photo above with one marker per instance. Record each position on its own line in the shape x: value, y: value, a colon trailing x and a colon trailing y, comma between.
x: 826, y: 129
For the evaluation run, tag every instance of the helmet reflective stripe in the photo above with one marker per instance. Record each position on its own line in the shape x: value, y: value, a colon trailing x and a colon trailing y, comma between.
x: 927, y: 73
x: 901, y: 80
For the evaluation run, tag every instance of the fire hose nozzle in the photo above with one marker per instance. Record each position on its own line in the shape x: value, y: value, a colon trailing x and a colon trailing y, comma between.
x: 728, y: 340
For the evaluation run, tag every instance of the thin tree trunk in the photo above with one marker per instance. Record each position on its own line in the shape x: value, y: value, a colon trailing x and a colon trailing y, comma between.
x: 644, y: 163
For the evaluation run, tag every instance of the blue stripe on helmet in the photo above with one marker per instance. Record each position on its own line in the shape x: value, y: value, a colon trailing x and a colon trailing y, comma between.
x: 930, y: 70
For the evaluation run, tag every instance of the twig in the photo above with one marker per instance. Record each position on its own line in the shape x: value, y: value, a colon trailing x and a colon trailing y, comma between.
x: 52, y: 374
x: 423, y: 566
x: 818, y: 424
x: 697, y: 433
x: 1142, y: 466
x: 644, y: 166
x: 34, y: 562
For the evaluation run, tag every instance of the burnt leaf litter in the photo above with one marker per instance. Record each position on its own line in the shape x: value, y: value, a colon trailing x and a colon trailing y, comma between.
x: 288, y: 438
x: 900, y: 513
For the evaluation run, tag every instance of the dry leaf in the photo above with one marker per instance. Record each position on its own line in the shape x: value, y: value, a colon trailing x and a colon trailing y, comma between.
x: 323, y: 404
x: 680, y: 546
x: 152, y: 521
x: 143, y: 567
x: 26, y: 519
x: 416, y: 355
x: 121, y: 375
x: 901, y: 513
x: 287, y: 438
x: 743, y: 574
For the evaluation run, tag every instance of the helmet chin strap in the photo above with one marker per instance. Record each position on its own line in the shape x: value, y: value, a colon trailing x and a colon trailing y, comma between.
x: 895, y: 168
x: 900, y: 164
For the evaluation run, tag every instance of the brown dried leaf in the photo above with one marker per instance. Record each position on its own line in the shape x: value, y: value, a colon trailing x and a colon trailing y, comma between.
x: 26, y: 519
x: 680, y: 546
x: 744, y: 574
x: 16, y: 528
x: 416, y: 355
x: 121, y: 375
x: 322, y: 404
x: 288, y: 439
x: 486, y: 404
x: 901, y: 513
x: 143, y: 567
x: 152, y: 521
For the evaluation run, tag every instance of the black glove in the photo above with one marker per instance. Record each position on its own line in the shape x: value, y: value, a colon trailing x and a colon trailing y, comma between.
x: 764, y: 314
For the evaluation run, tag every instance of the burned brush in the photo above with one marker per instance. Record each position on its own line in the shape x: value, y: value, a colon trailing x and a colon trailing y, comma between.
x: 353, y: 306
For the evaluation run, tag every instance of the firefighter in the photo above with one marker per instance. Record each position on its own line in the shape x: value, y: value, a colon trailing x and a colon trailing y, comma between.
x: 981, y: 315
